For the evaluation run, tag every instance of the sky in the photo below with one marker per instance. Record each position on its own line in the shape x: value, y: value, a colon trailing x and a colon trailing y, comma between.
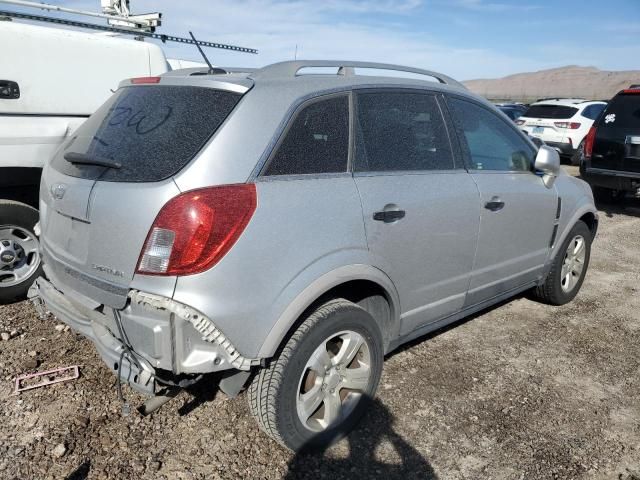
x: 466, y: 39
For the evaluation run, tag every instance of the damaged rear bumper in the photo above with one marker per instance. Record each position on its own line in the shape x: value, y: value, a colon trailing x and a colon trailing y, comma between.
x: 162, y: 334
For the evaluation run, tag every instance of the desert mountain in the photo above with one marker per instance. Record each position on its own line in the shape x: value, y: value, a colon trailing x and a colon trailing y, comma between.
x: 570, y: 82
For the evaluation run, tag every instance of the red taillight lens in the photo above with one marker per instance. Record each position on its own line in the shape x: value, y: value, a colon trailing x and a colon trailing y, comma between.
x: 588, y: 142
x: 569, y: 125
x: 632, y: 90
x: 194, y: 230
x: 141, y: 80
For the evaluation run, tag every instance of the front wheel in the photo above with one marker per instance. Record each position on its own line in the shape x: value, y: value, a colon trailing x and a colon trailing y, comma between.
x: 19, y: 255
x: 320, y: 383
x: 568, y: 269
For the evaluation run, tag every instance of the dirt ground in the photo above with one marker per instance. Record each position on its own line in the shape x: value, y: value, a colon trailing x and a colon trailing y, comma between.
x: 523, y: 391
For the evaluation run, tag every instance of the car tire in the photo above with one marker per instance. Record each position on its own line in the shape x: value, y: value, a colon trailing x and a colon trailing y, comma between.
x: 282, y: 394
x: 576, y: 158
x: 568, y: 269
x: 19, y: 247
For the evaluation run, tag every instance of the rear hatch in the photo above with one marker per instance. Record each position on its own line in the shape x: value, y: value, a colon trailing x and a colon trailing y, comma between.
x: 617, y: 142
x: 540, y: 121
x: 106, y: 184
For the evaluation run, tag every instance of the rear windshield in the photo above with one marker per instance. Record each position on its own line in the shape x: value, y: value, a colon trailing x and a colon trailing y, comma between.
x: 550, y: 111
x: 622, y: 112
x: 152, y: 131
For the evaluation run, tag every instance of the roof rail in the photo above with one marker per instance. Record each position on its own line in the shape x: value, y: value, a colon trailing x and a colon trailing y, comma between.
x: 346, y: 68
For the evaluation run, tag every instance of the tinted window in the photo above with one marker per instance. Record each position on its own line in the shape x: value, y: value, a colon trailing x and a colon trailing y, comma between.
x: 491, y: 143
x: 316, y: 142
x: 592, y: 111
x: 153, y: 131
x: 550, y: 111
x: 401, y: 131
x: 623, y: 112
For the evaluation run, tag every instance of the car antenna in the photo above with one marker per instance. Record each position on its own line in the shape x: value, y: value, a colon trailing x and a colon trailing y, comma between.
x: 211, y: 70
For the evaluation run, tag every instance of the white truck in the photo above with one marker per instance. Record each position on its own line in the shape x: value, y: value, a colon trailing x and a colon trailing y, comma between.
x: 51, y: 80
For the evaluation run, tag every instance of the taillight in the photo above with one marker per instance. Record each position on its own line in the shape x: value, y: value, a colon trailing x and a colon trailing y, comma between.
x: 520, y: 122
x: 142, y: 80
x: 569, y: 125
x: 194, y: 230
x: 588, y: 142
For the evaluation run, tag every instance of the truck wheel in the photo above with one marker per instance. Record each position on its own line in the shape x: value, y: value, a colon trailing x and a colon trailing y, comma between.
x: 568, y: 269
x: 19, y: 255
x: 318, y: 386
x: 607, y: 195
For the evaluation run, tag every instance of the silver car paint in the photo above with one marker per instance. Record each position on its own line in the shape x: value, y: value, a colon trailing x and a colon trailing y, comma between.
x: 308, y: 233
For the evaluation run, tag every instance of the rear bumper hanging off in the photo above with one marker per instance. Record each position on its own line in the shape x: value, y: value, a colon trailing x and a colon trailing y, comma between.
x: 162, y: 333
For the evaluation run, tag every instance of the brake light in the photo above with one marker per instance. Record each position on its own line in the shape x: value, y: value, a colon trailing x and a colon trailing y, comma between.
x: 569, y: 125
x: 141, y: 80
x: 632, y: 90
x: 588, y: 142
x: 520, y: 122
x: 196, y: 229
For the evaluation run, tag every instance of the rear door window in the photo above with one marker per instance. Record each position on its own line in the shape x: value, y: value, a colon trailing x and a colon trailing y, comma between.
x: 400, y: 131
x: 316, y: 142
x: 152, y: 131
x: 592, y: 111
x: 490, y: 142
x: 555, y: 112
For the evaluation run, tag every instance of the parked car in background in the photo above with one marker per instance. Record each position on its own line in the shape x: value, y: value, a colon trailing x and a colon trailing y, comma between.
x: 611, y: 163
x: 299, y: 226
x: 512, y: 110
x: 52, y: 79
x: 562, y: 123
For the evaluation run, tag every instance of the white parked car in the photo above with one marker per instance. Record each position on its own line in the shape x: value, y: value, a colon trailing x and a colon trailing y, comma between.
x: 562, y: 123
x: 51, y: 80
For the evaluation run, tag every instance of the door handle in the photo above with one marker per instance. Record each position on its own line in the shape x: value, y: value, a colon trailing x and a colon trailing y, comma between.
x: 494, y: 205
x: 389, y: 216
x: 9, y: 90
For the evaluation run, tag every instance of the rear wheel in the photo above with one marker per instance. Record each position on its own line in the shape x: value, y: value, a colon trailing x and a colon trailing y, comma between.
x: 19, y: 255
x: 576, y: 158
x: 320, y: 383
x: 607, y: 195
x: 568, y: 269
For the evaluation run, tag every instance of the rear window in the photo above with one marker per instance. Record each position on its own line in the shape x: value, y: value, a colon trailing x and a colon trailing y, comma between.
x: 152, y: 131
x: 623, y: 112
x: 550, y: 111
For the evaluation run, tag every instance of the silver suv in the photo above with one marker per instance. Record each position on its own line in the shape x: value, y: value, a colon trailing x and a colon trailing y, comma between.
x: 290, y: 226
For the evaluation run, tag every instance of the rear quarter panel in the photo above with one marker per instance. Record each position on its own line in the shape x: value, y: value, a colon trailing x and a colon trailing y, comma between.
x: 303, y: 228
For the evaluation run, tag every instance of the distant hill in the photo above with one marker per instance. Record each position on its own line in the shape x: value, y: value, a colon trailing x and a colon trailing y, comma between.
x: 569, y: 82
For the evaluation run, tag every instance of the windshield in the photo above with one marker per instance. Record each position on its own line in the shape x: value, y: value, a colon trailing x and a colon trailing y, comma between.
x: 151, y: 131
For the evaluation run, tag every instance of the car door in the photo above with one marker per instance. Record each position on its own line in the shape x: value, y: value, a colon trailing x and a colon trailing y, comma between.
x: 518, y: 210
x: 421, y: 209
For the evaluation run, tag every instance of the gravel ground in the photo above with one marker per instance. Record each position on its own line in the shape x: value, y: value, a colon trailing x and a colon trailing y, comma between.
x: 520, y: 391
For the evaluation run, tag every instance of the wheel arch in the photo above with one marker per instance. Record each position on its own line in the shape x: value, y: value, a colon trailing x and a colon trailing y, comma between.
x: 364, y: 285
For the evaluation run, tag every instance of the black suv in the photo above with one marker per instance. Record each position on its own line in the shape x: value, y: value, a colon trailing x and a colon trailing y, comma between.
x: 611, y: 161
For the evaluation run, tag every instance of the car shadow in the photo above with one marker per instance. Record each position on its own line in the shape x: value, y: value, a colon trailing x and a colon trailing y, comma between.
x: 624, y: 206
x: 375, y: 430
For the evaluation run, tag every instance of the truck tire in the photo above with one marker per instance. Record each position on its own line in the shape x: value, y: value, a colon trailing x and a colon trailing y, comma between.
x: 569, y: 268
x: 320, y: 383
x: 19, y: 250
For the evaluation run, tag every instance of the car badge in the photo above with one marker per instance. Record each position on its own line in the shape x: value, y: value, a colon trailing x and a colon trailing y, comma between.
x: 58, y: 190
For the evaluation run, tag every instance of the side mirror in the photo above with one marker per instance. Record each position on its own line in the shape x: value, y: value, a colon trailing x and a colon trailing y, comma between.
x: 548, y: 162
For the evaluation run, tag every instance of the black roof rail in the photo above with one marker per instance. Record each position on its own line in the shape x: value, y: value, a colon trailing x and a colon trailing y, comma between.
x: 346, y: 68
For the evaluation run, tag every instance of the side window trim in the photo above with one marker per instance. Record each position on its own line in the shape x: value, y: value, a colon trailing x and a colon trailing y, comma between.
x: 354, y: 118
x: 293, y: 115
x: 465, y: 152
